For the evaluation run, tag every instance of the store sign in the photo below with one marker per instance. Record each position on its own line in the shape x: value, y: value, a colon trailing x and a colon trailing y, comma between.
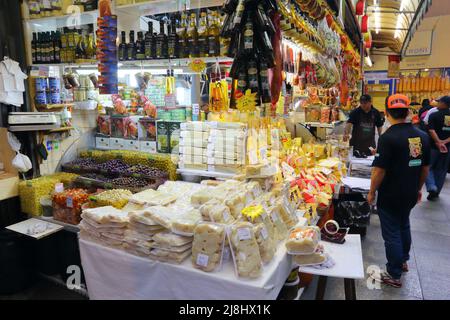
x: 421, y: 44
x: 375, y: 76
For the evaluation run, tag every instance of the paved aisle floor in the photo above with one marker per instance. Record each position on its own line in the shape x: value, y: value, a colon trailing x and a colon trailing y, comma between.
x: 429, y: 275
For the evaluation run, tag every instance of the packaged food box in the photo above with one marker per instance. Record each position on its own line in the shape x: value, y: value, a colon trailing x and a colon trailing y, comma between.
x: 67, y: 205
x: 101, y: 142
x: 174, y: 134
x: 163, y: 137
x: 147, y: 129
x: 119, y: 126
x: 104, y: 125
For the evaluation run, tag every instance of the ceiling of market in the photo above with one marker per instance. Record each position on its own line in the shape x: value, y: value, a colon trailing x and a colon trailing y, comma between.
x: 389, y: 21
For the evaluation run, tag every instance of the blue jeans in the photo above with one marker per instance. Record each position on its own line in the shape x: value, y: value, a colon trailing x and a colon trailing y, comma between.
x: 438, y: 170
x: 396, y: 233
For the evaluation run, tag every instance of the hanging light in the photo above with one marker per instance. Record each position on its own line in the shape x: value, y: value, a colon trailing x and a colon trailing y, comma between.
x: 365, y: 23
x: 359, y: 8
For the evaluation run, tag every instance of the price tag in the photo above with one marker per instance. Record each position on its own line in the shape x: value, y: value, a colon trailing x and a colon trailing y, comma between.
x: 69, y: 202
x: 226, y: 216
x: 59, y: 187
x: 244, y: 234
x: 264, y: 233
x: 247, y: 102
x: 275, y: 217
x: 202, y: 260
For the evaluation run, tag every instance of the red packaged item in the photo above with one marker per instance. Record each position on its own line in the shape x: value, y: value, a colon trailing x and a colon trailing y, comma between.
x: 67, y: 205
x: 104, y: 125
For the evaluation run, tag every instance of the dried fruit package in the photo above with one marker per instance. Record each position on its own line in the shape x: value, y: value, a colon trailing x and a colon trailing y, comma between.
x: 207, y: 247
x: 245, y: 250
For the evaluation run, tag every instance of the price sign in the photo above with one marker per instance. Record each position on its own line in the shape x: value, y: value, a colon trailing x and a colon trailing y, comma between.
x: 197, y: 65
x: 247, y: 102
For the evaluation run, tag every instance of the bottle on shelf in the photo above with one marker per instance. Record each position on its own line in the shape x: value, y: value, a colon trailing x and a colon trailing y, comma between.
x: 131, y: 47
x: 38, y: 48
x: 90, y: 50
x: 203, y: 35
x: 48, y: 47
x: 140, y: 46
x: 213, y: 35
x: 123, y: 50
x: 57, y: 47
x: 161, y: 43
x: 266, y: 98
x: 34, y: 48
x: 192, y: 36
x: 248, y: 36
x: 80, y: 52
x: 172, y: 46
x: 148, y: 43
x: 183, y: 44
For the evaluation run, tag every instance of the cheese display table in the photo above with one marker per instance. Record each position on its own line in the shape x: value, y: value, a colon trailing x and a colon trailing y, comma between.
x: 115, y: 274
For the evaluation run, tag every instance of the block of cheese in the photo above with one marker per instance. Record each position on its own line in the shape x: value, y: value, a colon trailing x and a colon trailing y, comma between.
x: 96, y: 225
x: 265, y: 242
x: 193, y: 159
x: 184, y: 224
x: 216, y: 211
x: 195, y: 126
x: 131, y: 206
x: 142, y: 217
x: 152, y: 197
x: 281, y: 230
x: 145, y: 229
x: 245, y: 250
x: 227, y: 125
x: 191, y: 134
x: 193, y: 150
x: 106, y: 214
x: 172, y: 248
x: 170, y: 239
x: 207, y: 246
x: 255, y: 189
x: 236, y: 202
x: 286, y: 213
x: 303, y: 240
x: 189, y: 142
x: 132, y: 234
x: 202, y: 196
x: 318, y: 257
x: 169, y: 256
x: 161, y: 215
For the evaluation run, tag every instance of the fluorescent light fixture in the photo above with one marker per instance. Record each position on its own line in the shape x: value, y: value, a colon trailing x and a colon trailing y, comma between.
x: 399, y: 18
x: 377, y: 20
x: 426, y: 70
x: 368, y: 61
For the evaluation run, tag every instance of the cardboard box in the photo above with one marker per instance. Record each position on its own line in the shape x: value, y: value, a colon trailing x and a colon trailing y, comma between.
x: 147, y: 146
x: 102, y: 142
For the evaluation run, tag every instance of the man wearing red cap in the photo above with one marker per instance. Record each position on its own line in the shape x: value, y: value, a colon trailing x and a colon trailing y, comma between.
x: 399, y: 171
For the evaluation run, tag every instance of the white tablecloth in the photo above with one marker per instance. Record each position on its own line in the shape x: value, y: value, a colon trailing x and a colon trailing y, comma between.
x: 115, y: 274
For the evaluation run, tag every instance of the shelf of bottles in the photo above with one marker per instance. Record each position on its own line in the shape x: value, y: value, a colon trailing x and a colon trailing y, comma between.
x: 146, y: 8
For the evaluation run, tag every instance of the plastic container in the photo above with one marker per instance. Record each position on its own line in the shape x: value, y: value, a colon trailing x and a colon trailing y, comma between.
x: 303, y: 240
x: 46, y: 203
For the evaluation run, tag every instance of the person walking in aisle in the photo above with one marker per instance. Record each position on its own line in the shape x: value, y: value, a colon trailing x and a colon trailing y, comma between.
x: 399, y: 171
x: 439, y: 130
x: 426, y: 106
x: 362, y: 123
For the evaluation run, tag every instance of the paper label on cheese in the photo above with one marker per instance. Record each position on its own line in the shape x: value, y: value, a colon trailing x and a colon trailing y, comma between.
x: 69, y: 202
x: 264, y: 233
x: 202, y: 260
x: 244, y: 234
x: 59, y: 187
x: 226, y: 216
x: 275, y: 217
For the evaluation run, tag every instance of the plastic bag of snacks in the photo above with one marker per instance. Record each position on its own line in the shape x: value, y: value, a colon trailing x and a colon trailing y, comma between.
x: 207, y: 247
x: 184, y: 224
x: 303, y: 240
x: 67, y: 205
x: 245, y: 250
x: 265, y: 242
x: 117, y: 198
x: 256, y: 214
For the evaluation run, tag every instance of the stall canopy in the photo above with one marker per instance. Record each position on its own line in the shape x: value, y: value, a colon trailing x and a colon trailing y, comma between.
x: 394, y: 22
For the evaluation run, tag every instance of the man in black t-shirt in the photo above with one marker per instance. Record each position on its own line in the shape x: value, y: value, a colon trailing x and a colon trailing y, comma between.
x: 399, y: 171
x: 362, y: 123
x: 439, y: 130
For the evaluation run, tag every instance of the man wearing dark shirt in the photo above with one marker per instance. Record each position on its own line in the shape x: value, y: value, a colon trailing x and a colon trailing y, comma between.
x: 439, y: 130
x: 399, y: 172
x: 362, y: 123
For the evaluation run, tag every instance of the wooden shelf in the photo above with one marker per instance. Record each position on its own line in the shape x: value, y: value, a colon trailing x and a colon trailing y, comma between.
x: 64, y: 129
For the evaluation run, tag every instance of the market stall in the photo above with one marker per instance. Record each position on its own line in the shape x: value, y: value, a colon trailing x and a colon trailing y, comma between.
x: 209, y: 99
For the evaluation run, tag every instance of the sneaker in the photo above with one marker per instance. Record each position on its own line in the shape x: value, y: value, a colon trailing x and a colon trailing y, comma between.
x: 405, y: 267
x: 387, y: 279
x: 432, y: 195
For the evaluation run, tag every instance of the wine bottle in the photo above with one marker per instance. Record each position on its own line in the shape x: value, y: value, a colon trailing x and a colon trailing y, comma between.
x: 239, y: 12
x: 229, y: 6
x: 172, y: 49
x: 161, y: 43
x: 149, y: 41
x: 34, y: 48
x: 192, y: 35
x: 57, y: 47
x: 140, y: 46
x: 248, y: 35
x: 183, y: 45
x: 123, y: 51
x: 213, y: 36
x: 131, y: 47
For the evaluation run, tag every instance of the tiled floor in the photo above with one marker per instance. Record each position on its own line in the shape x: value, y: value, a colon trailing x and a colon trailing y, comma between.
x: 428, y: 278
x: 429, y: 275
